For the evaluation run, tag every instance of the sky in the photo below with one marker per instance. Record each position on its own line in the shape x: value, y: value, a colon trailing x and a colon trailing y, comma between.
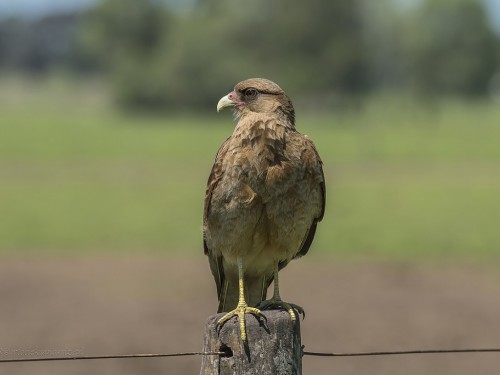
x: 35, y: 8
x: 494, y: 10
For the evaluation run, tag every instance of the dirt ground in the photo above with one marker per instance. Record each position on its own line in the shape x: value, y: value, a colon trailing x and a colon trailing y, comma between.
x: 118, y: 304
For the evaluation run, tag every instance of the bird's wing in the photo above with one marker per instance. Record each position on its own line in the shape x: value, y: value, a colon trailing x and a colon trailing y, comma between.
x: 313, y: 162
x: 213, y: 180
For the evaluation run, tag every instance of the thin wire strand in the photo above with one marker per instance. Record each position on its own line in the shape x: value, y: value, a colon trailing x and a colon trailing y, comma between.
x: 403, y: 352
x: 119, y: 356
x: 224, y: 354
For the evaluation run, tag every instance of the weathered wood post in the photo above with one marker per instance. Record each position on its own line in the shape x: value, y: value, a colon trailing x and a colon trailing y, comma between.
x: 273, y: 346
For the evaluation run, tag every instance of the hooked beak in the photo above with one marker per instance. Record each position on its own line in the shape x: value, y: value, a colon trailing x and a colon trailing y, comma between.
x: 225, y: 102
x: 230, y: 100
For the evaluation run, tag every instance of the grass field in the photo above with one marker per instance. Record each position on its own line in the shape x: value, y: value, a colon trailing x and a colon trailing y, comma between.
x: 404, y: 182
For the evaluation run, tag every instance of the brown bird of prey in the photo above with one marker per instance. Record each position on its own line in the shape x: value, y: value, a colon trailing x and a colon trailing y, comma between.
x: 265, y: 195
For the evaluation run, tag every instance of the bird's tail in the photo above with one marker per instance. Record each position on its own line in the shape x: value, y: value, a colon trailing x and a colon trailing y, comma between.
x: 255, y: 292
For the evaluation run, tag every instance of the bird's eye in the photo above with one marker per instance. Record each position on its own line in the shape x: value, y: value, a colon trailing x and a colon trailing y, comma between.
x: 250, y: 93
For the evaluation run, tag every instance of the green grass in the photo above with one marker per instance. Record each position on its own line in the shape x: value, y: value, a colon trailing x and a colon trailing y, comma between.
x: 404, y: 182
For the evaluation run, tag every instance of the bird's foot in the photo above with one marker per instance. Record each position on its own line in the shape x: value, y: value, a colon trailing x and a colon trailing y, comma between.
x: 278, y: 303
x: 240, y: 312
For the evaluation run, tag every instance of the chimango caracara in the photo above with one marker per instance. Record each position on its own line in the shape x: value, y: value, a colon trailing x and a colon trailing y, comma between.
x: 265, y: 195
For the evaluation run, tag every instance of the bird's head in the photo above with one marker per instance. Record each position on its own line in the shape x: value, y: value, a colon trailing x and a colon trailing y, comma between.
x: 258, y: 95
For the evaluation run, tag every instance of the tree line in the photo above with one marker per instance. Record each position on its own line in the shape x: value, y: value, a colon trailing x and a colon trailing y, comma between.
x: 160, y: 56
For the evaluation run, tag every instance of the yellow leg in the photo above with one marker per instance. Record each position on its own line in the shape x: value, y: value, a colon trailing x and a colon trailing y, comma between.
x: 242, y: 308
x: 277, y: 302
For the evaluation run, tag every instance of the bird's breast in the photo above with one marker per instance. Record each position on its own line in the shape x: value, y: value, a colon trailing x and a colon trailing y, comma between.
x: 261, y: 203
x: 259, y: 156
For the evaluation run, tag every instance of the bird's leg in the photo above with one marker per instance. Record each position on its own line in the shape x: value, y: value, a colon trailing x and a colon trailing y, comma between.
x: 277, y: 302
x: 242, y: 308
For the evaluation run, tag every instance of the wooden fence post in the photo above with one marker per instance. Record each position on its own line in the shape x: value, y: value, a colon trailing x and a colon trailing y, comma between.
x: 273, y: 347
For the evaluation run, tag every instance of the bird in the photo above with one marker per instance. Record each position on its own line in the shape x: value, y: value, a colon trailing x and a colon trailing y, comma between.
x: 264, y: 197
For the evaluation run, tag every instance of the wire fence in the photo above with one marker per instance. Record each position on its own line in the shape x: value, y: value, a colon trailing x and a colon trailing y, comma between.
x: 226, y: 354
x: 112, y: 356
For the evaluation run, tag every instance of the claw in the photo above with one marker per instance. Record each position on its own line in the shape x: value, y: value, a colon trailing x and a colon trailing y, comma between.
x: 279, y: 304
x: 240, y: 312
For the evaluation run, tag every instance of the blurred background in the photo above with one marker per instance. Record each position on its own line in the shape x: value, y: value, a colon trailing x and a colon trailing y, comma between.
x: 108, y: 132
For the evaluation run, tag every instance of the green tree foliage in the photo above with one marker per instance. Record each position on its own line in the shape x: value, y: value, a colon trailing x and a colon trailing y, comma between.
x: 451, y: 48
x: 125, y: 38
x: 164, y: 57
x: 313, y: 44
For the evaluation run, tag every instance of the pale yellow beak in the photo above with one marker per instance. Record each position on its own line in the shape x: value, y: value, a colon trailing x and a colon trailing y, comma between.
x: 225, y: 102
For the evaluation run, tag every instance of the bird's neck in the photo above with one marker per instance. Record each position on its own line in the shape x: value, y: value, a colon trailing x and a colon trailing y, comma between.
x: 279, y: 112
x: 263, y: 136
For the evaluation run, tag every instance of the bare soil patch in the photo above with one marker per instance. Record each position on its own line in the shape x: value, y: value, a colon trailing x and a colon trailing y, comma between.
x: 112, y: 304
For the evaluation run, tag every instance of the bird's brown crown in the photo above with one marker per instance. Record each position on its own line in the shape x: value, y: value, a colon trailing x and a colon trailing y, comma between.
x: 261, y: 84
x: 263, y: 95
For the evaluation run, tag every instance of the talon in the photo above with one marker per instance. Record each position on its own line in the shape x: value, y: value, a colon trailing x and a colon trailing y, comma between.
x: 300, y: 310
x: 240, y: 312
x: 275, y: 303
